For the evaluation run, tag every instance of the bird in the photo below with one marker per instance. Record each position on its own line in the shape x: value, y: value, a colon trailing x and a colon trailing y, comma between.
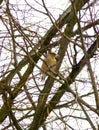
x: 49, y: 65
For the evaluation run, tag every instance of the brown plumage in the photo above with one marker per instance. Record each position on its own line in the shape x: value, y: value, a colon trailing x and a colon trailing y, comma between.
x: 48, y: 65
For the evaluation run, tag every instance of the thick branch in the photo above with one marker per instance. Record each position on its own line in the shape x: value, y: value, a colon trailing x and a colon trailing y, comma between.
x: 69, y: 80
x: 17, y: 89
x: 39, y: 114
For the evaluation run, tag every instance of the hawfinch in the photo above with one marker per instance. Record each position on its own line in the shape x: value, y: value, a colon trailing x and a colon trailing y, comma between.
x: 48, y: 65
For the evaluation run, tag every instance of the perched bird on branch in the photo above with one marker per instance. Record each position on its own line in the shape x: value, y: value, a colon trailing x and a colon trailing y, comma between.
x: 49, y: 65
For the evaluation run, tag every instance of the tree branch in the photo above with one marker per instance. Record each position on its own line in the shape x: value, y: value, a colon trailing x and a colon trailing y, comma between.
x: 69, y: 80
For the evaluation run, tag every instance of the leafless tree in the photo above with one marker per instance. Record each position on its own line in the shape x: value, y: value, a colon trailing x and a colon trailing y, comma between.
x: 29, y: 30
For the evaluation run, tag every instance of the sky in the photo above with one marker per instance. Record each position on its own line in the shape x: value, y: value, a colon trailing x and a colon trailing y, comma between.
x: 56, y: 8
